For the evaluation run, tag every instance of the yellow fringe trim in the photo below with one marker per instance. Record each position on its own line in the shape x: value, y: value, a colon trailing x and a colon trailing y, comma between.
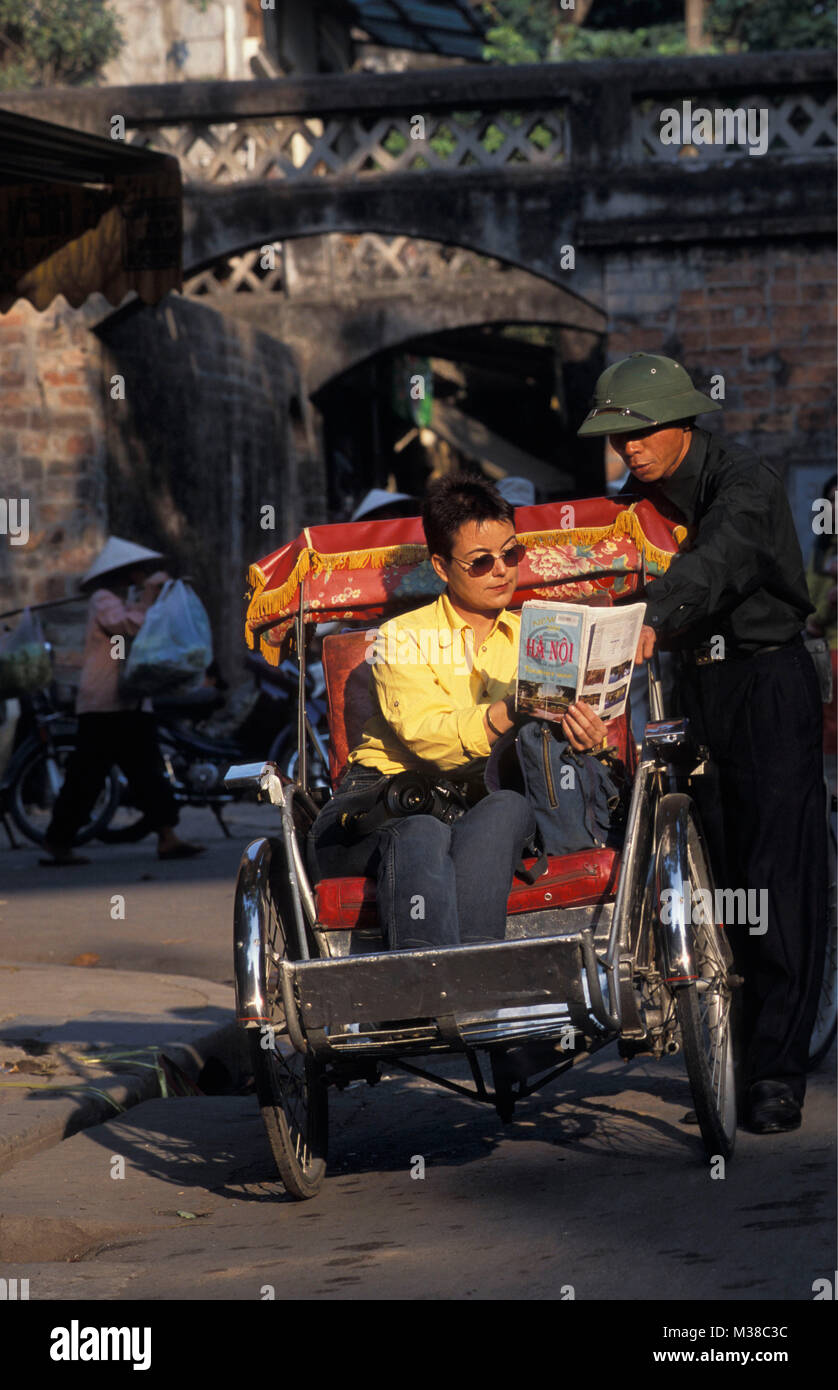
x: 312, y: 562
x: 626, y: 524
x: 272, y: 654
x: 264, y: 606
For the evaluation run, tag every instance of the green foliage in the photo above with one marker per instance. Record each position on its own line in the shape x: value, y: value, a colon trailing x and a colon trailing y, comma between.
x: 658, y: 40
x: 55, y: 41
x: 523, y: 32
x: 537, y: 31
x: 765, y: 25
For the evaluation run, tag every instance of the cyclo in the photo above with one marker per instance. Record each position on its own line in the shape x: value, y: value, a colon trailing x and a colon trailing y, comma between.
x: 603, y: 947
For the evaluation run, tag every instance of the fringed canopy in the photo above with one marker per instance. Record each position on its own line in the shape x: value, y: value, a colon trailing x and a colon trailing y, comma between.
x: 368, y: 570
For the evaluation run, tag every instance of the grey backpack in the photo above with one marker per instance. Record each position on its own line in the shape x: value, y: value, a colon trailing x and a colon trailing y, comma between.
x: 578, y: 798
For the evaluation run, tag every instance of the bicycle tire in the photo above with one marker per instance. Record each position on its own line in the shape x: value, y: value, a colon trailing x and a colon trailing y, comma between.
x: 290, y: 1087
x: 706, y: 1007
x: 33, y: 789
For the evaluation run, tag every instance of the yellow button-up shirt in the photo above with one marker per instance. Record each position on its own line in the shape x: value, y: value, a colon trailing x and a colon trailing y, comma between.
x: 433, y: 687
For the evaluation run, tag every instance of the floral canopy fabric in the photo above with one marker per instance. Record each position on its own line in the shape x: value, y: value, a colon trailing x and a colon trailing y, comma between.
x: 367, y: 571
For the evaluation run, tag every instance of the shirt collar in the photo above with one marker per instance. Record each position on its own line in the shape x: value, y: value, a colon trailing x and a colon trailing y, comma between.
x: 453, y: 618
x: 681, y: 489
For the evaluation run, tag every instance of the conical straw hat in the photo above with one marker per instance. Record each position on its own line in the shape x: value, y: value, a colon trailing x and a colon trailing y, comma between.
x: 116, y: 555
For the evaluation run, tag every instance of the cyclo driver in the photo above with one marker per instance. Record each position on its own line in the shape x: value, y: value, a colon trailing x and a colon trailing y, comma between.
x: 732, y: 606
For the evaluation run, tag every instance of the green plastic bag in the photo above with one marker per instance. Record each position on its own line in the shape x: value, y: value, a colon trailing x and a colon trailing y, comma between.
x: 24, y: 658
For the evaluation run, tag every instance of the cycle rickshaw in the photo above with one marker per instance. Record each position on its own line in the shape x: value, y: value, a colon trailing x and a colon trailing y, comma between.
x: 590, y: 956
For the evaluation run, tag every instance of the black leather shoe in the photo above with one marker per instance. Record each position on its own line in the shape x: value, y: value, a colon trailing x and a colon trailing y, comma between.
x: 772, y: 1108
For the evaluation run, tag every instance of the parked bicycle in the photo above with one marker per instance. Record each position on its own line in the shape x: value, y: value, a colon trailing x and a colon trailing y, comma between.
x: 34, y: 775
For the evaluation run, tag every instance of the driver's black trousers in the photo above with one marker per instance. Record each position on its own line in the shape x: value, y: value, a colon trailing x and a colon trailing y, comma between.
x: 765, y: 819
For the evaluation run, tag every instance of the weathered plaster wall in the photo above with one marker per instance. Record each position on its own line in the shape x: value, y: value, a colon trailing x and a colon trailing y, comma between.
x: 175, y: 40
x: 210, y: 432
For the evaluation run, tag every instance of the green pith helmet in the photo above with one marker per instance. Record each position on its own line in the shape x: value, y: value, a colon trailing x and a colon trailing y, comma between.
x: 640, y: 392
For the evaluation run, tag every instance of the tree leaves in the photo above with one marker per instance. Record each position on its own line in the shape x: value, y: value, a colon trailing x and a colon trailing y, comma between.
x: 55, y: 41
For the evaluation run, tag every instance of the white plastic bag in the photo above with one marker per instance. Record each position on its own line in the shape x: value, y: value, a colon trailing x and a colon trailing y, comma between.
x: 24, y: 658
x: 173, y: 647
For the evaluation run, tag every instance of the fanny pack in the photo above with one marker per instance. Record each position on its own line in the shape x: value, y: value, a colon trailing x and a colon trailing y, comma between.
x: 579, y: 799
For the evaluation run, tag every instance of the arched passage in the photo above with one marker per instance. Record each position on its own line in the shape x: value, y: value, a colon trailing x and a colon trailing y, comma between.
x: 336, y: 300
x: 351, y: 306
x: 527, y: 224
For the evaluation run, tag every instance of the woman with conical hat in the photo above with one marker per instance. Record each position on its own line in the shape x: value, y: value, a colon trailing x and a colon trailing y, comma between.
x: 113, y: 729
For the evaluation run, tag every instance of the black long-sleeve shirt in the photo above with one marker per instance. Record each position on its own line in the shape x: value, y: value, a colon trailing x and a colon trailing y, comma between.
x: 740, y: 573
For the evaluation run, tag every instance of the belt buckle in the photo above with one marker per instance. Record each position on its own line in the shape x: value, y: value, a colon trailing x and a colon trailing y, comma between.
x: 704, y: 656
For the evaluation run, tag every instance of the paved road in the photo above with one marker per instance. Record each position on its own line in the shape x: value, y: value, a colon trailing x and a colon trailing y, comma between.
x: 178, y: 916
x: 597, y: 1187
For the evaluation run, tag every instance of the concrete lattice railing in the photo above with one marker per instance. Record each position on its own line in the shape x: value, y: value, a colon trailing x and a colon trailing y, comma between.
x: 510, y: 162
x: 472, y: 118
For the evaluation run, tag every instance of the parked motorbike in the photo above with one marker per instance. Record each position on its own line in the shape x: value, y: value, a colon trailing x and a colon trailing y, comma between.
x: 196, y: 760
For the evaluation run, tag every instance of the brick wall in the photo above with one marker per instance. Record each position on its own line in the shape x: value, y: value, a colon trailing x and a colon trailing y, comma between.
x: 52, y: 454
x: 763, y: 317
x: 211, y: 429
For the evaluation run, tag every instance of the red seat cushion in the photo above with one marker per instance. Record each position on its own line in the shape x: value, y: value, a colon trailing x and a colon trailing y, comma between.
x: 572, y: 880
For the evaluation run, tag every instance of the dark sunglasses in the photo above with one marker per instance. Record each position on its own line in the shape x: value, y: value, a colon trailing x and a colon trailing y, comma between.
x: 484, y: 564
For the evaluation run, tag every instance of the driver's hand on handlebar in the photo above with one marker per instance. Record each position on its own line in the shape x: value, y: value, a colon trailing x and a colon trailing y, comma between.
x: 582, y: 728
x: 645, y: 645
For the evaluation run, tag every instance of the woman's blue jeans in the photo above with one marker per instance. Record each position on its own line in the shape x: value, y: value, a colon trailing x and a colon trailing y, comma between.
x: 437, y: 884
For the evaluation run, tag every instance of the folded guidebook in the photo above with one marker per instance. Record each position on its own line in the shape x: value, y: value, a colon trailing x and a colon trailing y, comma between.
x: 570, y: 651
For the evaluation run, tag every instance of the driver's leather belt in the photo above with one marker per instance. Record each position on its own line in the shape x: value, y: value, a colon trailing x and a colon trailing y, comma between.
x: 707, y: 654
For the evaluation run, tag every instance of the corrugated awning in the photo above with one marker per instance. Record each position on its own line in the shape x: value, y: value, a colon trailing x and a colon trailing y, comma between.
x: 79, y: 214
x: 455, y: 28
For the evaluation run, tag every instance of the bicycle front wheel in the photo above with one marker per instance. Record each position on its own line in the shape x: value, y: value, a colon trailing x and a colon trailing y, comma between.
x: 706, y: 1006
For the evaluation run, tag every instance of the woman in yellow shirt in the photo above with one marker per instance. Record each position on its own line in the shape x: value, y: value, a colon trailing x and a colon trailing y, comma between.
x: 444, y: 679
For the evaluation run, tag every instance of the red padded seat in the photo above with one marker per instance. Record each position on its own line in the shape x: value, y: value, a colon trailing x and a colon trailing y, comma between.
x: 572, y: 880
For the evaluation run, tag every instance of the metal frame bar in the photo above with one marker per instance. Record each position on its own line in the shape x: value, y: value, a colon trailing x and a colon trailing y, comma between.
x: 302, y: 758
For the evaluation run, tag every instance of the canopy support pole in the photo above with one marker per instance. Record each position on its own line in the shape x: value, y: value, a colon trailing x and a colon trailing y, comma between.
x: 302, y: 741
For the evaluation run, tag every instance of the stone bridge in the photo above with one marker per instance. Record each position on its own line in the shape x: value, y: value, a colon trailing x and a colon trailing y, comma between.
x: 345, y: 215
x: 547, y: 171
